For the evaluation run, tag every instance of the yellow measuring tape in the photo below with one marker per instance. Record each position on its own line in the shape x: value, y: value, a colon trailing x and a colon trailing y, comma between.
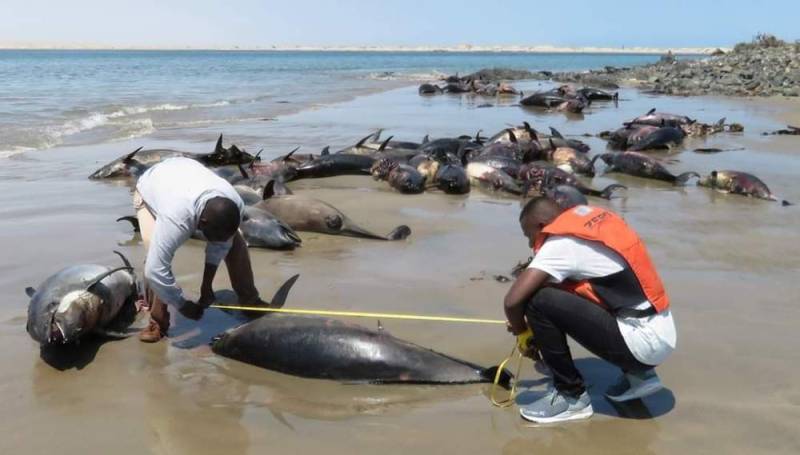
x: 519, y: 348
x: 359, y: 314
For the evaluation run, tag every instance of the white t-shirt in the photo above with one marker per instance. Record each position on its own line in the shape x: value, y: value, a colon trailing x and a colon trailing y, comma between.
x: 651, y: 339
x: 176, y: 191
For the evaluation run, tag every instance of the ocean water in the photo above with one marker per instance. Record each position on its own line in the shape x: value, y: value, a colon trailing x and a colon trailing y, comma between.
x: 51, y: 98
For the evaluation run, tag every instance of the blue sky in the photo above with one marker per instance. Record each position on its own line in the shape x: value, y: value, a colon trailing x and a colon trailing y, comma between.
x: 213, y: 23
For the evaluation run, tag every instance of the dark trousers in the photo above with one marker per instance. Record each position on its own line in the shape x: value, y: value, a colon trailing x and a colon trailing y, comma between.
x: 553, y: 314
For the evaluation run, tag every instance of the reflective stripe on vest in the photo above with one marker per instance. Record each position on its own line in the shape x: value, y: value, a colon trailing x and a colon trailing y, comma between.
x: 600, y: 225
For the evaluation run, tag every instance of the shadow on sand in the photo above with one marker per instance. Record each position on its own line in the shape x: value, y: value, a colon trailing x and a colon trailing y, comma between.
x: 599, y: 375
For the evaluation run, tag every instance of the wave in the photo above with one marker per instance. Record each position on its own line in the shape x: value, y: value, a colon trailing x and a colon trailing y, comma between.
x: 412, y: 77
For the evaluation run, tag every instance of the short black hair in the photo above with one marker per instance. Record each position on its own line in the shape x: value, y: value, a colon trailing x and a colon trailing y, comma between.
x: 222, y: 218
x: 536, y: 205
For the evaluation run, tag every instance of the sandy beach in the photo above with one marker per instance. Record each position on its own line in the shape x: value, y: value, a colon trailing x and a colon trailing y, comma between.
x: 730, y: 265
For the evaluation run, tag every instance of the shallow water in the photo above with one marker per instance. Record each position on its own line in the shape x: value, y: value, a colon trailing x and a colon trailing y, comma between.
x: 729, y: 263
x: 51, y: 98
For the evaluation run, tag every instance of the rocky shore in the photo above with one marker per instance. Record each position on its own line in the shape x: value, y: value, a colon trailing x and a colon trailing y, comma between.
x: 766, y: 66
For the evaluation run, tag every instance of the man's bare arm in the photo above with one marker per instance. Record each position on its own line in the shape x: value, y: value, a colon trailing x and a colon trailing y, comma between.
x: 528, y: 282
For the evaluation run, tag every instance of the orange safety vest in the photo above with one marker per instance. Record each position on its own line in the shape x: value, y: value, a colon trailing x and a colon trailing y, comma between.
x: 600, y: 225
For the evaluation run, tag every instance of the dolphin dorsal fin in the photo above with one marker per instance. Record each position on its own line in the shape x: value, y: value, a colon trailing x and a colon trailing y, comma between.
x: 30, y: 291
x: 326, y: 151
x: 528, y: 128
x: 385, y: 143
x: 94, y: 281
x: 129, y: 157
x: 124, y: 259
x: 426, y: 139
x: 651, y: 111
x: 218, y: 147
x: 269, y: 190
x: 511, y: 136
x: 555, y: 133
x: 361, y: 142
x: 288, y: 155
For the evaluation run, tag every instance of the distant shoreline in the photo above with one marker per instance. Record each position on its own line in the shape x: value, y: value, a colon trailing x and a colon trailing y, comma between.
x: 542, y: 49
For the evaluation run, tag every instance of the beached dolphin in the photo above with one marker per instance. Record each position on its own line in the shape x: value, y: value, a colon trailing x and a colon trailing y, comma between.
x: 565, y: 196
x: 552, y: 99
x: 452, y: 179
x: 742, y: 183
x: 664, y: 137
x: 336, y: 164
x: 483, y: 175
x: 641, y: 165
x: 595, y: 94
x: 82, y: 299
x: 538, y: 178
x: 430, y: 89
x: 262, y: 229
x: 402, y: 177
x: 654, y: 118
x: 308, y: 214
x: 322, y: 348
x: 569, y: 159
x: 138, y: 161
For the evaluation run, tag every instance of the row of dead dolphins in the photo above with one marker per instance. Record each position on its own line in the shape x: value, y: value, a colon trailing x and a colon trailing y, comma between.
x: 565, y: 98
x: 517, y: 161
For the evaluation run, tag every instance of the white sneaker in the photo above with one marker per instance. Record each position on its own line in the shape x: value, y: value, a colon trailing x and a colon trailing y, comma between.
x: 557, y: 407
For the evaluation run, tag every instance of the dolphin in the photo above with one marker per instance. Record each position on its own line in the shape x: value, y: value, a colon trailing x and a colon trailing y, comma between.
x: 308, y: 214
x: 323, y: 348
x: 641, y: 165
x: 135, y: 163
x: 79, y: 300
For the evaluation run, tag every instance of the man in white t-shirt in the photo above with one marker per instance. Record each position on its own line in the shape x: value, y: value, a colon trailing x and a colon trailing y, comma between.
x: 592, y: 279
x: 174, y: 200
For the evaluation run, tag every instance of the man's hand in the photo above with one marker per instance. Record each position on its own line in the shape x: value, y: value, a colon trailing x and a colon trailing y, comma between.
x: 191, y: 310
x: 515, y: 331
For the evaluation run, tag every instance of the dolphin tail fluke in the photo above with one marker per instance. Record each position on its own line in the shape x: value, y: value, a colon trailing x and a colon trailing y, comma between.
x: 399, y: 233
x: 504, y: 380
x: 608, y: 191
x: 786, y: 203
x: 683, y: 178
x: 131, y: 219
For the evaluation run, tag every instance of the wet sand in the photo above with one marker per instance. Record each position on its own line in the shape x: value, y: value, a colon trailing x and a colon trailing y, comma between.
x: 730, y: 265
